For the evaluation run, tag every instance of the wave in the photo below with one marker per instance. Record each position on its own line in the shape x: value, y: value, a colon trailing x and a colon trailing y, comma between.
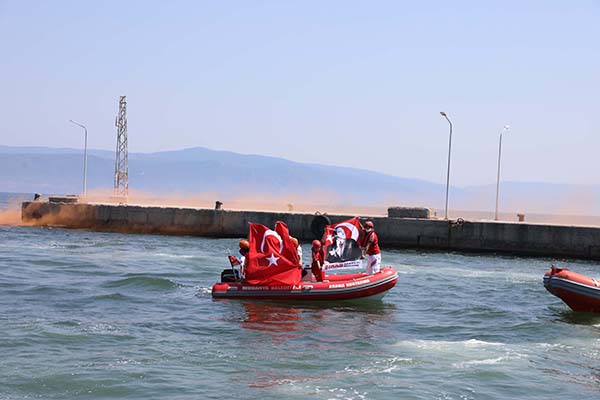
x: 51, y: 290
x: 143, y: 282
x: 112, y: 297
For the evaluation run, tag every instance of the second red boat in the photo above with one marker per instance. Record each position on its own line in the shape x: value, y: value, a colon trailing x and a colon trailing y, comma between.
x: 578, y: 291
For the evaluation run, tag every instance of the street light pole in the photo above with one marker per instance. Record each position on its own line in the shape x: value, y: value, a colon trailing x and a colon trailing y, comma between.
x: 505, y: 129
x: 84, y: 157
x: 443, y: 114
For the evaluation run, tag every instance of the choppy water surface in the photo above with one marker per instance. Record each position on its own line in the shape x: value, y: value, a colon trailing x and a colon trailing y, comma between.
x: 104, y: 315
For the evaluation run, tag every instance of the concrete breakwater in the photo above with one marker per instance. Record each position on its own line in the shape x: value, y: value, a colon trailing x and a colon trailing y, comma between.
x: 469, y: 236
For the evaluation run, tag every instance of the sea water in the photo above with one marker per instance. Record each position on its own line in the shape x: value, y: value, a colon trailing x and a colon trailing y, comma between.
x: 94, y: 315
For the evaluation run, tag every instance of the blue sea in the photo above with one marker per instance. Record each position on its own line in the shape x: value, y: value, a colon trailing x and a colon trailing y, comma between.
x: 93, y: 315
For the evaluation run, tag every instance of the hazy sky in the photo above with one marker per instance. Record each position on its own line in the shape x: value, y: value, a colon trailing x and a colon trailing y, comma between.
x: 337, y: 82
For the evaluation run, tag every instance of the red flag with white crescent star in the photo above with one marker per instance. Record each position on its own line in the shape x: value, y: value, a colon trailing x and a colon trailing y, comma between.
x: 273, y: 258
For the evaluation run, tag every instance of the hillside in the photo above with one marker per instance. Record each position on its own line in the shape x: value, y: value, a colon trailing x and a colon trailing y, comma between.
x: 228, y: 175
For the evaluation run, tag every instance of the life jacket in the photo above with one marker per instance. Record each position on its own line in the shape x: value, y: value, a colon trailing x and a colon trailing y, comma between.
x: 374, y: 247
x: 318, y: 261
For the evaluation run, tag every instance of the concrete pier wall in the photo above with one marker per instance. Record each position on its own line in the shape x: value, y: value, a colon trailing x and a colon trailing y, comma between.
x: 471, y: 236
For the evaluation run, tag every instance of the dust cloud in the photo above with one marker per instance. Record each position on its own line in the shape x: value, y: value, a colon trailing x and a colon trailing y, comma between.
x: 311, y: 202
x: 10, y: 212
x: 11, y: 216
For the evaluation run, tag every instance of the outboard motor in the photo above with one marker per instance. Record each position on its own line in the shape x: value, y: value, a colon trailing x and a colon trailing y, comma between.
x: 228, y: 275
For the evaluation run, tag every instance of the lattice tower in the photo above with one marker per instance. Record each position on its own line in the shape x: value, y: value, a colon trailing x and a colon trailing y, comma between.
x: 121, y: 163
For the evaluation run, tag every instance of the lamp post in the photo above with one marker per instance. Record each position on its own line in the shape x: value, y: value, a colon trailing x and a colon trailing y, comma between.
x: 443, y: 114
x: 84, y: 157
x: 505, y: 129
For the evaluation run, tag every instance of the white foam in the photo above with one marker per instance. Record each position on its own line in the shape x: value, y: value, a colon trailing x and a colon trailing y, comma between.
x: 174, y: 255
x: 401, y: 272
x: 124, y: 362
x: 405, y: 269
x: 383, y: 366
x: 446, y: 345
x: 471, y: 353
x: 486, y: 361
x: 204, y: 290
x: 553, y: 346
x: 350, y: 393
x: 511, y: 276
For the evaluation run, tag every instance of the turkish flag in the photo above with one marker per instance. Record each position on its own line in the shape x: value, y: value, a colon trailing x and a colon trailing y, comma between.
x: 233, y: 261
x: 273, y: 258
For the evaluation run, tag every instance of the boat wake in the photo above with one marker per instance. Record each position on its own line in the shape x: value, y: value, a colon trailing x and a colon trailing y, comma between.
x: 383, y: 366
x: 167, y: 255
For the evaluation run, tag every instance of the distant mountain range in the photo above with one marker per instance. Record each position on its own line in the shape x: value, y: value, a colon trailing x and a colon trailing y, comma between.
x: 228, y: 175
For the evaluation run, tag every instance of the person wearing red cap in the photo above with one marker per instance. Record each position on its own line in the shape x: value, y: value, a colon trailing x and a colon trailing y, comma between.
x: 244, y: 249
x: 240, y: 262
x: 370, y: 244
x: 317, y: 261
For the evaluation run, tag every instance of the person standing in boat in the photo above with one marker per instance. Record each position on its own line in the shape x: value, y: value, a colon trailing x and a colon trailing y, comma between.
x: 298, y: 250
x: 317, y: 261
x: 244, y: 249
x: 241, y: 261
x: 370, y: 245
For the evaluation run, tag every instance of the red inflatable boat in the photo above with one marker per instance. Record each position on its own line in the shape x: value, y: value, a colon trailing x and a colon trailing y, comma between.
x: 272, y: 271
x: 579, y: 292
x: 336, y: 287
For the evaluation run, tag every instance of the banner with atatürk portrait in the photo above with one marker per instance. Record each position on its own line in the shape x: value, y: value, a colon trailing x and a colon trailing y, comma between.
x: 342, y: 249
